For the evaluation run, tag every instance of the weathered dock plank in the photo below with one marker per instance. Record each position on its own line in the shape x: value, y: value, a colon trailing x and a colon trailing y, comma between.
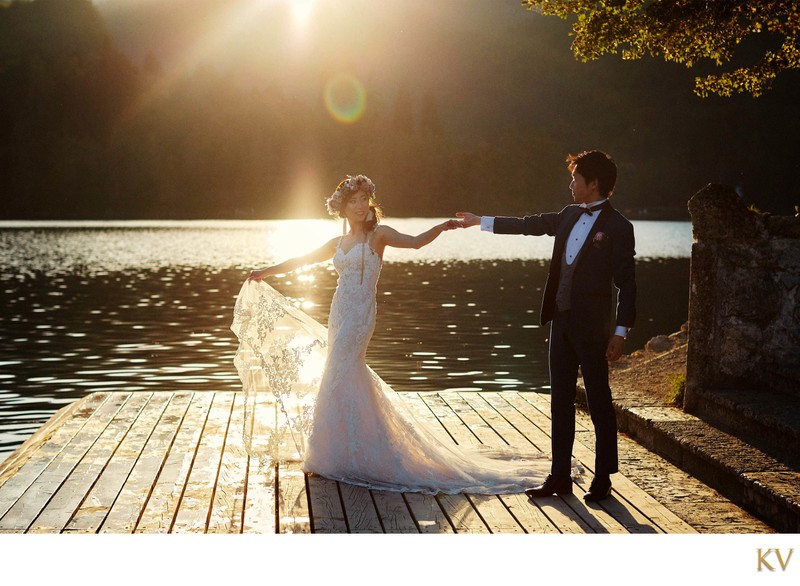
x: 162, y: 502
x: 532, y: 422
x: 127, y: 509
x: 102, y: 495
x: 428, y: 513
x: 461, y: 512
x: 27, y: 508
x: 293, y: 512
x: 495, y: 514
x: 194, y: 507
x: 227, y: 506
x: 393, y: 512
x: 70, y: 494
x: 449, y: 420
x: 528, y: 514
x: 50, y: 439
x: 25, y: 466
x: 562, y: 516
x: 326, y: 505
x: 362, y: 516
x: 503, y: 406
x: 122, y: 462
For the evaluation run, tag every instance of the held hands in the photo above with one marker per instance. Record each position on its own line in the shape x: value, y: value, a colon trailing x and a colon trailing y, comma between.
x: 467, y: 219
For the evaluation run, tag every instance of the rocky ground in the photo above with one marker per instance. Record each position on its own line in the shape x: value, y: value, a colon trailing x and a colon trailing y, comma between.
x: 651, y: 371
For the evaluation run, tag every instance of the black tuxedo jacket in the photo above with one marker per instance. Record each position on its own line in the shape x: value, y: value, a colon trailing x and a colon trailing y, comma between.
x: 606, y: 260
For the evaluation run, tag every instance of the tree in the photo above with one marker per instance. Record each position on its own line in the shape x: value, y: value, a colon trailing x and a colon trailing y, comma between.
x: 690, y: 32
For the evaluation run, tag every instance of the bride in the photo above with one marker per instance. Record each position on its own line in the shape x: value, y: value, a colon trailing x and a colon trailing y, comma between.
x: 310, y: 396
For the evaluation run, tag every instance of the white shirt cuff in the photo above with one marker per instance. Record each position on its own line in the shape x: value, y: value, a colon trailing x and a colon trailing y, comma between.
x: 487, y: 223
x: 621, y: 331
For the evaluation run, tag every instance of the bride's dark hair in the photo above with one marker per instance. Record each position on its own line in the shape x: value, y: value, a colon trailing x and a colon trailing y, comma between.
x: 374, y: 218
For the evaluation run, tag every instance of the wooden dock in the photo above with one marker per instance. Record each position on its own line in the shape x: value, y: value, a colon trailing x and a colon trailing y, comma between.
x: 173, y: 462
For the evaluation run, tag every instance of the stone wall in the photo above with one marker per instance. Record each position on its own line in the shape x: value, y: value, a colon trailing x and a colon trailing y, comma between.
x: 744, y: 315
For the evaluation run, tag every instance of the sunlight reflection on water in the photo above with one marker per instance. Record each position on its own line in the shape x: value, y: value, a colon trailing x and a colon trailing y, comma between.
x: 146, y: 306
x: 93, y: 247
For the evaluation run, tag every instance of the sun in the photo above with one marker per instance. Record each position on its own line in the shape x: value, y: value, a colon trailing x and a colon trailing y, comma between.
x: 301, y: 9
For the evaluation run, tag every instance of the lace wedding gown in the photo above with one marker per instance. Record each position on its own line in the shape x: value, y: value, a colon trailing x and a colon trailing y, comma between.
x: 310, y: 396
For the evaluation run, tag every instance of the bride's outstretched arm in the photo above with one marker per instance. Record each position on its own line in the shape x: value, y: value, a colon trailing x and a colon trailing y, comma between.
x: 321, y: 254
x: 391, y: 237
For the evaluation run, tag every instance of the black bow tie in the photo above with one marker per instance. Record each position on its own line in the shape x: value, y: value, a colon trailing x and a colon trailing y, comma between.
x: 590, y: 211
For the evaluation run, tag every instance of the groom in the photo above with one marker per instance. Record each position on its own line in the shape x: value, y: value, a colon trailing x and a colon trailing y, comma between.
x: 593, y: 250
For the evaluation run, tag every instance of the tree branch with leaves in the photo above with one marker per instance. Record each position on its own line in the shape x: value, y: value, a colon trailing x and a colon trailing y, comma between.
x: 688, y: 32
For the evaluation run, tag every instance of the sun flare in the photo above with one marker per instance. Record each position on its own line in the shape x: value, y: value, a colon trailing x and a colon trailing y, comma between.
x: 296, y: 237
x: 345, y: 98
x: 301, y: 9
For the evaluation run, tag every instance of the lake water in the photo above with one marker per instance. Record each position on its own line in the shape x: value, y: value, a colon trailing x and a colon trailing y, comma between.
x: 91, y: 306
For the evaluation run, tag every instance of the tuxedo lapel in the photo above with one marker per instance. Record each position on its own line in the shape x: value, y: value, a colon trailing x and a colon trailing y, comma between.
x: 563, y: 233
x: 605, y: 213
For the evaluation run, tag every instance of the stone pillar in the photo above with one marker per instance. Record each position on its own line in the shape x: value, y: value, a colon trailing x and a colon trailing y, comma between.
x: 744, y: 315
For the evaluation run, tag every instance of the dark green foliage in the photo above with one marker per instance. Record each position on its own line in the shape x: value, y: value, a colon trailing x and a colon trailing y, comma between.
x: 690, y: 32
x: 677, y: 390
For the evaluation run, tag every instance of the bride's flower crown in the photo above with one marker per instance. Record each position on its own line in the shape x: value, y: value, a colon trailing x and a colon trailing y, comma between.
x: 350, y: 184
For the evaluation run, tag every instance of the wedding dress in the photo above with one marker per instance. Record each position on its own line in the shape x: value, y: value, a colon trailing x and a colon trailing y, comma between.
x: 310, y: 396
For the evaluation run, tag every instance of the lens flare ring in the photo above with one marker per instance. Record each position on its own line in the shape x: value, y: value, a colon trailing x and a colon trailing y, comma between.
x: 345, y: 98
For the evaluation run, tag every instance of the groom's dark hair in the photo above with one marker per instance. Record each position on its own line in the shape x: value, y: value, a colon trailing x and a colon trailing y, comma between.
x: 595, y: 165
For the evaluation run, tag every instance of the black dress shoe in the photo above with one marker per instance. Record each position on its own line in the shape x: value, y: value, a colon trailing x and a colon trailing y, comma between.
x: 553, y: 484
x: 599, y: 489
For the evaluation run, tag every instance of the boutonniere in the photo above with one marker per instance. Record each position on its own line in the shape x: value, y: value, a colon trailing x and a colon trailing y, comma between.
x: 600, y: 240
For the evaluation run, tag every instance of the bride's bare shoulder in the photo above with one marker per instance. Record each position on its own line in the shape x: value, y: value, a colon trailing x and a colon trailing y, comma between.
x: 382, y: 230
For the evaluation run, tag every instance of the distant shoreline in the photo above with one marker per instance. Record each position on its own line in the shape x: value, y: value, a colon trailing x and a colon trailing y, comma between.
x: 649, y: 214
x: 658, y: 214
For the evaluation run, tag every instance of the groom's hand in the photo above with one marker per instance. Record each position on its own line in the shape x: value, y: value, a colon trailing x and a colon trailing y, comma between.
x: 468, y: 219
x: 614, y: 350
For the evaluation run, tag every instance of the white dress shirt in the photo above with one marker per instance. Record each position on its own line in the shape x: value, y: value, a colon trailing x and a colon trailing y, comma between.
x: 575, y: 240
x: 581, y: 230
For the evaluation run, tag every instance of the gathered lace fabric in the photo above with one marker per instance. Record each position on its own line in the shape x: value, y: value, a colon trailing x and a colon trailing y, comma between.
x: 310, y: 396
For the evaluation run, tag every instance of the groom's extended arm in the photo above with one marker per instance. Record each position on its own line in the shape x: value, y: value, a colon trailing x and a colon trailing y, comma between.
x: 534, y: 225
